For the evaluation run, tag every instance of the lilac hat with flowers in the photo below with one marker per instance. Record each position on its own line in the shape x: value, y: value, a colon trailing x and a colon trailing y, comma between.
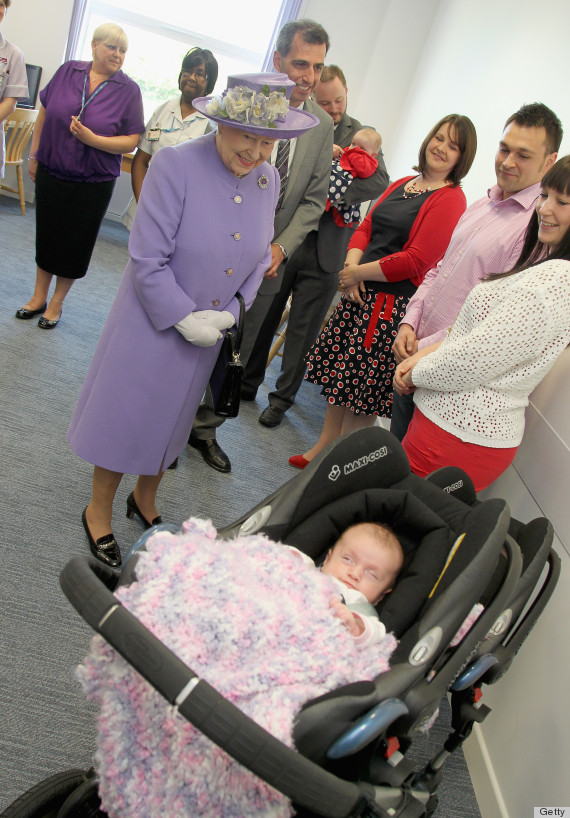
x: 258, y: 103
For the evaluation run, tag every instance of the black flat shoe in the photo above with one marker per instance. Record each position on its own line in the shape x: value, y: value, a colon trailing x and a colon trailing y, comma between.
x: 133, y: 509
x: 24, y: 313
x: 212, y: 453
x: 105, y: 548
x: 45, y: 323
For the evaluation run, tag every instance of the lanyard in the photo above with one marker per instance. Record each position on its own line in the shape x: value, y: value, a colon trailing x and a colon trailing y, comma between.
x: 85, y: 102
x: 172, y: 129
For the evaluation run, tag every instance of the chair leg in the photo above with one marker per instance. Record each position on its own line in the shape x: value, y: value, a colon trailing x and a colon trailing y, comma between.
x: 21, y: 189
x: 280, y: 340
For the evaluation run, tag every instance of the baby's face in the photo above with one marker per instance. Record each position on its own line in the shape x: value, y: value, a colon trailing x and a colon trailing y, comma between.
x: 361, y: 562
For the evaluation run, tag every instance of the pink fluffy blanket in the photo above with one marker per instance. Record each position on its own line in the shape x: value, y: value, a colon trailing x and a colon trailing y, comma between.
x: 251, y: 619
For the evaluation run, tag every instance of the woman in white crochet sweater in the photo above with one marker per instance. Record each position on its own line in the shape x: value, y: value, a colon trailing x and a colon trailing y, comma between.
x: 471, y: 389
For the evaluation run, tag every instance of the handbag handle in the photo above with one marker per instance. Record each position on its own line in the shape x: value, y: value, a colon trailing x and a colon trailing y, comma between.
x: 240, y: 322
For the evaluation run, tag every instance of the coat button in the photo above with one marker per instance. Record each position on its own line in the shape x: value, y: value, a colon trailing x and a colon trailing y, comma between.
x: 229, y: 271
x: 237, y: 199
x: 237, y: 236
x: 216, y: 303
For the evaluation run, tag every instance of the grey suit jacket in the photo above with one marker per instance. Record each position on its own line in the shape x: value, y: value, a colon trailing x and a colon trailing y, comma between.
x: 332, y: 240
x: 306, y: 192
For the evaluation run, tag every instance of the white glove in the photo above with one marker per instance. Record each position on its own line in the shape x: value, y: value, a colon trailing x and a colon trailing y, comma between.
x: 198, y: 331
x: 215, y: 318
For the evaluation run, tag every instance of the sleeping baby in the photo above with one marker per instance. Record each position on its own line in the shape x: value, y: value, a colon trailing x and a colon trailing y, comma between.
x: 364, y: 562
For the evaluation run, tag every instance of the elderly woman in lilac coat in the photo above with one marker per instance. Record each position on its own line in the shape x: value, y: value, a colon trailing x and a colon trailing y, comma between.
x: 201, y: 234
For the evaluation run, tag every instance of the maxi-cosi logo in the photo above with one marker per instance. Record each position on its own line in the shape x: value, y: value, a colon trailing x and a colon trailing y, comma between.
x: 453, y: 486
x: 348, y: 468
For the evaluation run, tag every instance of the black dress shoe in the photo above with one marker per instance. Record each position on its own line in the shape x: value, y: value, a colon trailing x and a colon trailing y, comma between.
x: 23, y: 313
x: 132, y: 509
x: 271, y: 416
x: 213, y: 454
x: 46, y: 323
x: 248, y: 394
x: 105, y: 548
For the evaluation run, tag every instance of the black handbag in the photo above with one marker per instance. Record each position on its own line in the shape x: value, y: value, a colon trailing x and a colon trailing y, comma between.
x: 225, y: 380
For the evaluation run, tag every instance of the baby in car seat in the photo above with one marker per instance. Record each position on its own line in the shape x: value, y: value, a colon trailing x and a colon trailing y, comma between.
x: 364, y: 562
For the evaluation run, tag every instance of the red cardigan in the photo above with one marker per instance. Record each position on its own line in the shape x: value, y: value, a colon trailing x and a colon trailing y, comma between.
x: 429, y: 235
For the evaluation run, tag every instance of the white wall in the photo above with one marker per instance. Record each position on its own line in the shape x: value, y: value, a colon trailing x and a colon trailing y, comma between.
x: 40, y: 29
x: 485, y: 60
x: 380, y: 56
x: 408, y: 62
x: 526, y: 739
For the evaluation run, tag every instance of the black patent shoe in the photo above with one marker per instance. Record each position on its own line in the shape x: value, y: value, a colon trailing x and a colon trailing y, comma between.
x: 45, y: 323
x: 105, y: 548
x: 212, y: 453
x: 24, y: 313
x: 133, y: 509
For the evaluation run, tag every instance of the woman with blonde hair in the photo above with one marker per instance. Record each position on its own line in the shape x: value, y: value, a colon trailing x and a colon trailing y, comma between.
x: 90, y: 114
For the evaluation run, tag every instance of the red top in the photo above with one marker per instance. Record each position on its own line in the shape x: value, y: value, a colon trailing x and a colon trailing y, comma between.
x: 429, y: 235
x: 358, y: 162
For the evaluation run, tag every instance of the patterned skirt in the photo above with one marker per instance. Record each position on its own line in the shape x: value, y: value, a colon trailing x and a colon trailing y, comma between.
x: 352, y: 359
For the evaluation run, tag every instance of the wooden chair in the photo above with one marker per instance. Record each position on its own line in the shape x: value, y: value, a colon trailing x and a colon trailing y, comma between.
x: 18, y: 128
x: 281, y: 331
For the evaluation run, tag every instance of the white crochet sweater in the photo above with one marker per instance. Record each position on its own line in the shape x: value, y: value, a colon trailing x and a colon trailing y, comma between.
x: 505, y: 339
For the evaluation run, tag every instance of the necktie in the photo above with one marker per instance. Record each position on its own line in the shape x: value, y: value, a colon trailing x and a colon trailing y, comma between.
x: 282, y: 165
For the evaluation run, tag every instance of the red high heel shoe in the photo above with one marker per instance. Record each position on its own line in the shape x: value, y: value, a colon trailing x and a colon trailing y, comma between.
x: 299, y: 461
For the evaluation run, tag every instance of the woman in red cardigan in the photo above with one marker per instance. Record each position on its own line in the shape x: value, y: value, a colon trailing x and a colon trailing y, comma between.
x: 403, y: 237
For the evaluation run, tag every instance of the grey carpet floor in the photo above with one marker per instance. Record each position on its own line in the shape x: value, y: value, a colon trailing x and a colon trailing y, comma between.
x: 46, y: 726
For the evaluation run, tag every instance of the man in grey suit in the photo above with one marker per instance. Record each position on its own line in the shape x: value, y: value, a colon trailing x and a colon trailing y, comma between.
x: 311, y: 274
x: 300, y: 53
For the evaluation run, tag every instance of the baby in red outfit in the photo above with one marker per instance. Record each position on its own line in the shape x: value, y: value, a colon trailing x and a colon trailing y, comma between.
x: 357, y: 161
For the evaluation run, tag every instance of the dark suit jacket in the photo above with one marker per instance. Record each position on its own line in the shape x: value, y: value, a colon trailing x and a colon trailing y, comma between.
x: 332, y: 240
x: 306, y: 192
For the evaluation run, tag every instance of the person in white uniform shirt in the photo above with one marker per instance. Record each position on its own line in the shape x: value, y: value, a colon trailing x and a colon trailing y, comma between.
x: 13, y: 80
x: 176, y: 120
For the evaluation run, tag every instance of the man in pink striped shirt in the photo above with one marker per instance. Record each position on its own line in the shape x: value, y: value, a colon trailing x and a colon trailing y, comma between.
x: 488, y: 239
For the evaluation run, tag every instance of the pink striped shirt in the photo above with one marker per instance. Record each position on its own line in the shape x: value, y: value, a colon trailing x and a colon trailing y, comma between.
x: 488, y: 239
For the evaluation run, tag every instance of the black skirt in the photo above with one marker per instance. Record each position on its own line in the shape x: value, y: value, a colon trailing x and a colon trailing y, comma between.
x: 68, y: 218
x: 352, y: 360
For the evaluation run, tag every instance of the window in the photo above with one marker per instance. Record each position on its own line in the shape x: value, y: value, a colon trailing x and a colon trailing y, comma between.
x: 238, y: 36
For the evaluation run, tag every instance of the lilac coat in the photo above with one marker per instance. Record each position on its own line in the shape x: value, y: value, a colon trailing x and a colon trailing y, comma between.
x: 200, y: 235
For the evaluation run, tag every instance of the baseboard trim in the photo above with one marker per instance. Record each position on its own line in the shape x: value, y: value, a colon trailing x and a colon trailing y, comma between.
x: 485, y: 782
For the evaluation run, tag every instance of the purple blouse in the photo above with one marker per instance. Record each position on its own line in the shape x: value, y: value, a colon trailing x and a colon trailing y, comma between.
x: 115, y: 110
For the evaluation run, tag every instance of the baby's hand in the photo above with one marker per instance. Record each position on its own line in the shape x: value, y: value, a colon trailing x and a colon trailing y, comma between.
x: 351, y: 621
x: 337, y: 151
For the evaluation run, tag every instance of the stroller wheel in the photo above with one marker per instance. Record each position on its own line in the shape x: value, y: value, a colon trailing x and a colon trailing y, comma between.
x: 83, y: 802
x: 44, y: 799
